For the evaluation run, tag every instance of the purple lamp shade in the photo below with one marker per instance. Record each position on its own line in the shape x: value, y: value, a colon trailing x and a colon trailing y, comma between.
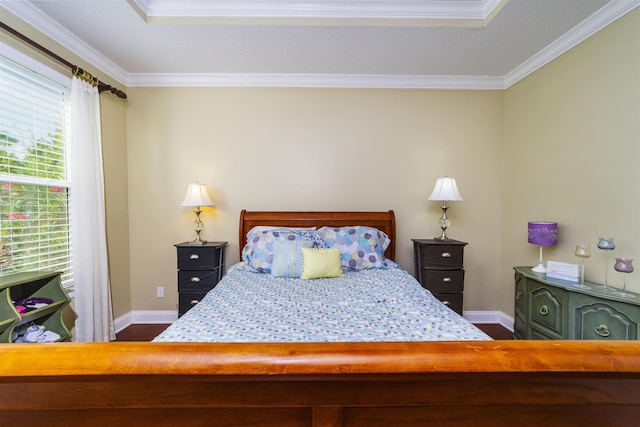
x: 543, y: 233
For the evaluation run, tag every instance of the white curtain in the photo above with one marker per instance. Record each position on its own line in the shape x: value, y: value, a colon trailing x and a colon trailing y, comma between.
x: 88, y: 228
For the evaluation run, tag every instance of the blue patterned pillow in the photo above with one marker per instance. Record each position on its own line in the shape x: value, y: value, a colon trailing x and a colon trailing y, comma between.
x: 258, y: 252
x: 287, y: 257
x: 361, y: 246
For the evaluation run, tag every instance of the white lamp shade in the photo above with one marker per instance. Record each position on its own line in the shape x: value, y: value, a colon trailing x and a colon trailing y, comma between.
x: 445, y: 190
x: 197, y: 196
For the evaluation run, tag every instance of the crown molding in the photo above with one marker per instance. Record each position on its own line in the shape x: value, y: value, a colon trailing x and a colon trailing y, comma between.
x: 352, y: 81
x: 596, y: 22
x: 41, y: 22
x: 593, y: 24
x: 455, y: 12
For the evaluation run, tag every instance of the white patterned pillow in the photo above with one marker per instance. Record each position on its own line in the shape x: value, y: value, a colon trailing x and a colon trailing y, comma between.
x: 287, y: 257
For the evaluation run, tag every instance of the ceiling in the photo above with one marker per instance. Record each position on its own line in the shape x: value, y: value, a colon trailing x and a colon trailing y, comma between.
x: 486, y: 44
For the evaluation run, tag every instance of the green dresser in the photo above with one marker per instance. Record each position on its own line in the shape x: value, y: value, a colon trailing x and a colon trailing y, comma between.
x: 558, y: 309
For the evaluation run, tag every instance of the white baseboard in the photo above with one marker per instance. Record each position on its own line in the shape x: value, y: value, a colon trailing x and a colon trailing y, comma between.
x: 147, y: 317
x: 160, y: 317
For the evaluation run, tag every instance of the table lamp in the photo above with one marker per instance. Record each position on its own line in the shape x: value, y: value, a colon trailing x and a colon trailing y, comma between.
x: 542, y: 233
x: 197, y: 196
x: 445, y: 191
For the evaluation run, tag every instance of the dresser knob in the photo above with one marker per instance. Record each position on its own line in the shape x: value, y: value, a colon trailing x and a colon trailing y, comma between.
x: 194, y: 256
x: 446, y: 302
x: 195, y: 279
x: 544, y: 310
x: 194, y: 301
x: 446, y: 279
x: 445, y: 255
x: 602, y: 330
x: 519, y: 295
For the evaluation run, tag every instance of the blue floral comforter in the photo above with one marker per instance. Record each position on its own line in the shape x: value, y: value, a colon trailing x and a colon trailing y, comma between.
x: 368, y: 305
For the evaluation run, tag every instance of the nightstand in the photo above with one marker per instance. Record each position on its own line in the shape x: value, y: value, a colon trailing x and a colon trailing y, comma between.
x: 440, y: 269
x: 200, y: 268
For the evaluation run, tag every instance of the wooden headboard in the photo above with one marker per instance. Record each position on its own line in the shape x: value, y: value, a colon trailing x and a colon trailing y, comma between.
x: 383, y: 221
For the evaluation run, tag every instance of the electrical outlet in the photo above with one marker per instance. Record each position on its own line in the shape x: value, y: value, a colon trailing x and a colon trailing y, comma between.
x: 160, y: 292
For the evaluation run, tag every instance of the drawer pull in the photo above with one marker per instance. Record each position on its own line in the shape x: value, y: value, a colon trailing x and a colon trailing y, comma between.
x: 194, y: 301
x: 194, y: 256
x: 602, y: 330
x: 544, y: 310
x: 445, y: 255
x: 446, y: 302
x: 446, y: 279
x: 195, y: 279
x: 519, y: 295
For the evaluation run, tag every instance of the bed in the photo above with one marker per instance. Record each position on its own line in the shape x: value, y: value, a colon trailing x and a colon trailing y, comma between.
x: 440, y: 383
x: 373, y: 300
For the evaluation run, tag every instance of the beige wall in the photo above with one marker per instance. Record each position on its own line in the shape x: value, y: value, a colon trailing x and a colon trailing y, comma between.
x: 114, y: 141
x: 312, y: 149
x: 572, y: 153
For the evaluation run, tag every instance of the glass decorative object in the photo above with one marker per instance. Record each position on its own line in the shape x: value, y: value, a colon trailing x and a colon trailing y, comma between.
x: 583, y: 251
x: 606, y: 244
x: 624, y: 265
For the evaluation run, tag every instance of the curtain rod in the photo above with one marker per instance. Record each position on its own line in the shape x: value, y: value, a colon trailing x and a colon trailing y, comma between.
x: 102, y: 87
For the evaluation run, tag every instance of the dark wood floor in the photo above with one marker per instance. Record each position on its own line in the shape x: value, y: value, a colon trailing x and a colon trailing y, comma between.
x: 140, y: 332
x: 148, y: 332
x: 497, y: 332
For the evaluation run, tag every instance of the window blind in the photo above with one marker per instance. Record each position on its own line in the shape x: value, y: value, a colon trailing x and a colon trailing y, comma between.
x: 34, y: 182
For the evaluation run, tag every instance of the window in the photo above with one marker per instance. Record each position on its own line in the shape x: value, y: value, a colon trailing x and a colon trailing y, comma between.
x: 34, y: 181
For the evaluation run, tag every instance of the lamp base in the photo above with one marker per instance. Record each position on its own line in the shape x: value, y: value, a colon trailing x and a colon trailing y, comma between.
x: 444, y: 222
x: 197, y: 242
x: 540, y: 268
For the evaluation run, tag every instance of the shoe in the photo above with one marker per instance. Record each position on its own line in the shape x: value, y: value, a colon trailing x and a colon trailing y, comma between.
x: 33, y: 333
x: 48, y: 336
x: 19, y: 331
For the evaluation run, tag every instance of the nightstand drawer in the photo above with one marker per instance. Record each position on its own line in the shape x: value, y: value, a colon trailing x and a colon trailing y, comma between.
x: 442, y: 256
x: 443, y: 281
x: 198, y: 257
x: 188, y: 299
x: 453, y: 301
x: 198, y: 280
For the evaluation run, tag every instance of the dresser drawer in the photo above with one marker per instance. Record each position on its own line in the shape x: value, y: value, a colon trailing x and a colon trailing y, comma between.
x: 443, y: 281
x: 197, y: 280
x: 453, y: 301
x: 188, y: 299
x: 548, y: 309
x: 198, y: 257
x: 442, y: 256
x: 605, y: 320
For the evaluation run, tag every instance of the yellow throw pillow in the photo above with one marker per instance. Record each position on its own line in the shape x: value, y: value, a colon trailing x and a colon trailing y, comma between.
x: 321, y: 263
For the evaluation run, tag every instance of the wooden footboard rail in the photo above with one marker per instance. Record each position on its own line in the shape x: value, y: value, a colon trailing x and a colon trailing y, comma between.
x: 495, y: 383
